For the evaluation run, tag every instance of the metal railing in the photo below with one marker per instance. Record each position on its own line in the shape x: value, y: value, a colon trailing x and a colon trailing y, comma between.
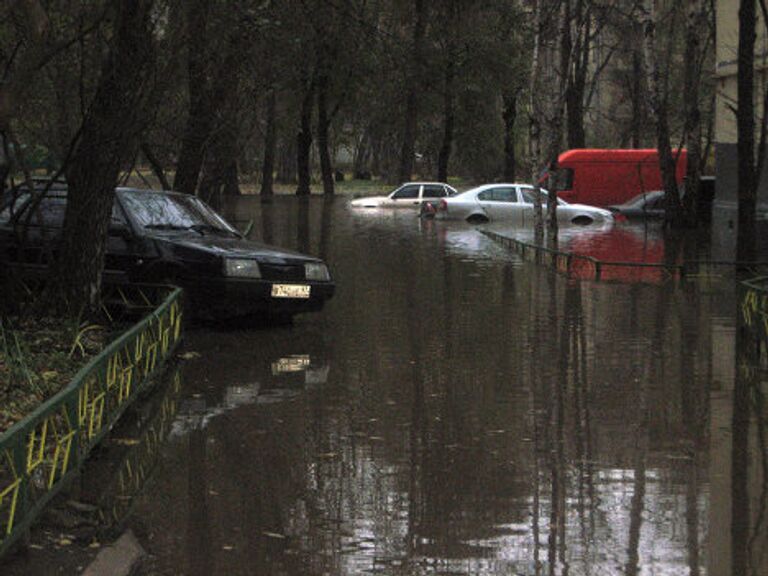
x: 586, y: 267
x: 754, y: 307
x: 117, y: 495
x: 41, y: 453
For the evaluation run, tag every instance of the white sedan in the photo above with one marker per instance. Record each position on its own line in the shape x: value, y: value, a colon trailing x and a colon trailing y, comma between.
x: 513, y: 203
x: 410, y: 195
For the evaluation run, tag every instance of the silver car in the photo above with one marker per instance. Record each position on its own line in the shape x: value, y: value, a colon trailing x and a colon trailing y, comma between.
x: 513, y: 203
x: 409, y: 195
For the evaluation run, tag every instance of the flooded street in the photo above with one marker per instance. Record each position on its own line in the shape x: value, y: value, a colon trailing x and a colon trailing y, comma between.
x: 455, y: 410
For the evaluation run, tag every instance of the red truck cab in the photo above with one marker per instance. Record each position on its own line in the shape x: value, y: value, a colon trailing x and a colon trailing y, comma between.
x: 604, y: 177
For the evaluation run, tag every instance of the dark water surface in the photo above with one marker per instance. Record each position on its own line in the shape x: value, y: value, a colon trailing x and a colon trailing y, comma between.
x: 457, y: 411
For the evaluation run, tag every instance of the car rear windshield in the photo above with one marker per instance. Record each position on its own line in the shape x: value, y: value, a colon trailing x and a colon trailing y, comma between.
x: 158, y: 210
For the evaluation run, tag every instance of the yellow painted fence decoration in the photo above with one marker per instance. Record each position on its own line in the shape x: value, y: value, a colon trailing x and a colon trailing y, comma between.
x: 40, y: 454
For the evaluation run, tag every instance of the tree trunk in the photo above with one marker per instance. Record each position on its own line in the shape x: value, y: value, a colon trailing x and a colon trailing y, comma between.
x: 270, y: 142
x: 637, y: 100
x: 157, y: 167
x: 304, y: 143
x: 509, y: 116
x: 408, y: 148
x: 692, y: 79
x: 534, y: 127
x: 5, y: 163
x: 658, y: 106
x: 109, y: 137
x: 323, y: 128
x: 200, y: 117
x: 745, y: 129
x: 363, y: 151
x: 286, y: 161
x: 556, y: 128
x: 449, y: 118
x: 577, y: 82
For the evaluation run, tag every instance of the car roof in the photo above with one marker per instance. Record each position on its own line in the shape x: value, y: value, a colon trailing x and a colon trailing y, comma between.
x: 423, y: 183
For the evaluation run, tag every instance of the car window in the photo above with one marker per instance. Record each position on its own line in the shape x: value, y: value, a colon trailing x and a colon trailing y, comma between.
x: 118, y: 217
x: 49, y: 212
x: 562, y: 179
x: 12, y: 203
x: 528, y: 196
x: 433, y: 191
x: 657, y: 204
x: 159, y: 210
x: 498, y: 195
x: 407, y: 192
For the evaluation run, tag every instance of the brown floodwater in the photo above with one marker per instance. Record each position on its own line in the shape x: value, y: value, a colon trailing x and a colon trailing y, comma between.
x: 455, y: 410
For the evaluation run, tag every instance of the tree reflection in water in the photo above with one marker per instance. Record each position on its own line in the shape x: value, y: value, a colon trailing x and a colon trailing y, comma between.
x: 482, y: 416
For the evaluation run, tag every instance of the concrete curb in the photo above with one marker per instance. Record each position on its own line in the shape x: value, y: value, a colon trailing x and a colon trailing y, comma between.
x: 119, y: 559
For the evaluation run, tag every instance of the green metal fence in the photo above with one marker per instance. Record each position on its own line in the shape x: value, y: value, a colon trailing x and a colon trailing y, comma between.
x: 40, y: 454
x: 754, y: 307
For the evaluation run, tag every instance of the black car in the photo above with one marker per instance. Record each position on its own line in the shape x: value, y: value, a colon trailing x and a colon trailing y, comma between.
x: 167, y: 237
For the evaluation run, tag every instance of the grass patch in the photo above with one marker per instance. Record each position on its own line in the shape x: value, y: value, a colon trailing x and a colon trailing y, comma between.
x: 38, y: 357
x: 348, y: 187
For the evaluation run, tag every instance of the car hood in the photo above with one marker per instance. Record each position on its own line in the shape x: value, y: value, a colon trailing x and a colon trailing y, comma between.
x: 592, y: 209
x: 233, y: 247
x: 370, y: 202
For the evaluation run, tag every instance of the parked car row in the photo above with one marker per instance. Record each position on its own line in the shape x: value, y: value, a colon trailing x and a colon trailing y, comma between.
x: 167, y: 237
x: 513, y: 203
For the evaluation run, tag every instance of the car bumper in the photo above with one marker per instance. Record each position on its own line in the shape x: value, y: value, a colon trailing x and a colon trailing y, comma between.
x: 221, y: 298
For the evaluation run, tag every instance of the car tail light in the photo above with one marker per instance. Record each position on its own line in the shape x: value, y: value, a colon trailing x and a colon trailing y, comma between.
x: 619, y: 217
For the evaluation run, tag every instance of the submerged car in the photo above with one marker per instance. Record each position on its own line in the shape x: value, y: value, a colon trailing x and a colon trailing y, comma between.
x: 410, y: 195
x: 645, y: 205
x: 168, y: 237
x: 513, y: 203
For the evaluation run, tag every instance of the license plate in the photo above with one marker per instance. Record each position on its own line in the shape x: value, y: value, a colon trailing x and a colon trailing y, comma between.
x: 290, y: 291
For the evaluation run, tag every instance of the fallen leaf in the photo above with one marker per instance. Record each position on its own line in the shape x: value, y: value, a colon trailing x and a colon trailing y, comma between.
x: 125, y: 441
x: 189, y: 355
x: 274, y: 535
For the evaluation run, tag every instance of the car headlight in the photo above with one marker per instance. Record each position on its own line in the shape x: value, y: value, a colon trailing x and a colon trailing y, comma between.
x: 241, y: 268
x: 316, y: 271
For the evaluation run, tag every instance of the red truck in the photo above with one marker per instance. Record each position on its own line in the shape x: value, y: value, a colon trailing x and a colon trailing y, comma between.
x: 603, y: 177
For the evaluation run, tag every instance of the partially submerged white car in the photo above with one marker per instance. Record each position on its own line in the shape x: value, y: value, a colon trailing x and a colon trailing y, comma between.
x: 513, y: 203
x: 409, y: 195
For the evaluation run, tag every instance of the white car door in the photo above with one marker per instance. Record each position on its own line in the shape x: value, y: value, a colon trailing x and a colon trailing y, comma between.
x: 406, y: 196
x: 502, y: 203
x: 527, y: 197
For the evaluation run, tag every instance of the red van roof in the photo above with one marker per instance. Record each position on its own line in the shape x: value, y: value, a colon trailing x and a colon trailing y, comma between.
x: 610, y: 155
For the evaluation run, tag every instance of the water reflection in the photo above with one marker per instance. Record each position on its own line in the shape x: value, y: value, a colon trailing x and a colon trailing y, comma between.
x: 457, y: 411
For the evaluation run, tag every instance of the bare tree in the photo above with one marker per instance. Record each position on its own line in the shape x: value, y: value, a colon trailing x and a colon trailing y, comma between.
x: 749, y: 168
x: 109, y: 137
x: 694, y: 13
x: 408, y: 149
x: 536, y: 114
x: 657, y: 102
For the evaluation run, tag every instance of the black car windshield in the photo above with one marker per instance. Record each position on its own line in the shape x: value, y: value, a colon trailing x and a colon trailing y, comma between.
x: 172, y: 212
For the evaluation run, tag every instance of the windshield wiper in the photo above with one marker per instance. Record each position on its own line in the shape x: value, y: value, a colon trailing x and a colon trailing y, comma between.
x: 201, y: 228
x: 166, y: 227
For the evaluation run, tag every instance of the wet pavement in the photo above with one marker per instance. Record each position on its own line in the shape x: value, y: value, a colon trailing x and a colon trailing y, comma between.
x: 455, y: 410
